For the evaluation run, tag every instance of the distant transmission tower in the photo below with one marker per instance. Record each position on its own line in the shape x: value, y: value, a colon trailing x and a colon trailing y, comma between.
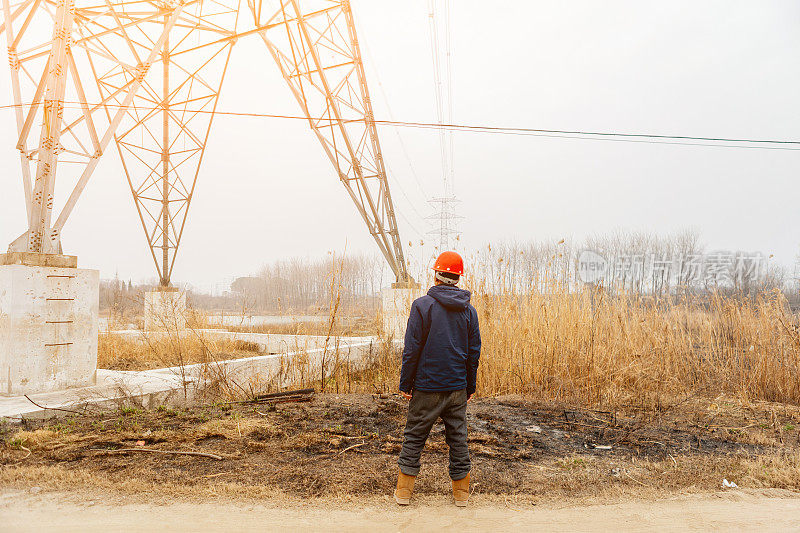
x: 796, y: 273
x: 445, y: 221
x: 445, y: 218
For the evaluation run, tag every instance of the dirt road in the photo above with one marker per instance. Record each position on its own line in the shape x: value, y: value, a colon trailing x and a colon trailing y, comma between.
x: 762, y: 510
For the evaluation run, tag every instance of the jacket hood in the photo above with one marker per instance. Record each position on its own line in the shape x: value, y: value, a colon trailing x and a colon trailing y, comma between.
x: 450, y: 297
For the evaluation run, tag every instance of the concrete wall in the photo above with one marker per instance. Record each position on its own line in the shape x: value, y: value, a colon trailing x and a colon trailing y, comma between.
x: 48, y: 328
x: 279, y: 368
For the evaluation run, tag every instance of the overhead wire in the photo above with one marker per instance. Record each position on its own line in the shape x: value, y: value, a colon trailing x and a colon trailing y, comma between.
x: 449, y: 70
x: 437, y: 85
x: 444, y: 214
x: 374, y: 66
x: 773, y: 144
x: 410, y: 163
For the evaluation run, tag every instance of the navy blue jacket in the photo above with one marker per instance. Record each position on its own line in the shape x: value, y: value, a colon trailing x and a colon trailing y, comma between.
x: 442, y: 344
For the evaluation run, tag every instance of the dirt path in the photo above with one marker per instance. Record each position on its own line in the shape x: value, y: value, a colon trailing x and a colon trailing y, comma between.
x: 763, y: 510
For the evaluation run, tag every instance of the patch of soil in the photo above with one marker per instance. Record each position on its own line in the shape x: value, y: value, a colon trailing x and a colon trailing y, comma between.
x: 348, y: 445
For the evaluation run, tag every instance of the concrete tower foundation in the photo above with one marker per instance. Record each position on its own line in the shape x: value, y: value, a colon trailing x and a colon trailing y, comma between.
x: 48, y: 323
x: 165, y: 310
x: 395, y: 307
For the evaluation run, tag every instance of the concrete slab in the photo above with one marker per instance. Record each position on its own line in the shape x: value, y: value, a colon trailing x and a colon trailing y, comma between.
x: 177, y: 386
x: 113, y: 388
x: 34, y: 259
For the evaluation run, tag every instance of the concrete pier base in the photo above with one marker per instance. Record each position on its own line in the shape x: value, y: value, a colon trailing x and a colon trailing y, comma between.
x: 48, y: 323
x: 165, y: 309
x: 395, y: 307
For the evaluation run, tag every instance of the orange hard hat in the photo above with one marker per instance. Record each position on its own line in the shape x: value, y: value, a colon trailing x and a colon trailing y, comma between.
x: 449, y: 262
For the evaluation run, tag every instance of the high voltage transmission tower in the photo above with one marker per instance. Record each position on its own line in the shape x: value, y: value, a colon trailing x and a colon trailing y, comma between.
x: 444, y: 219
x: 148, y: 75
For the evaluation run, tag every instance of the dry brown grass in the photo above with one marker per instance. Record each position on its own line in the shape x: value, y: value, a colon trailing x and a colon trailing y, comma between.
x: 554, y: 345
x: 552, y: 341
x: 634, y: 350
x: 343, y: 326
x: 157, y: 350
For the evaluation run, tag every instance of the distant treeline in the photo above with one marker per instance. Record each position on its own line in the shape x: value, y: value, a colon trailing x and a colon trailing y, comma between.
x: 636, y: 263
x: 676, y: 265
x: 311, y: 285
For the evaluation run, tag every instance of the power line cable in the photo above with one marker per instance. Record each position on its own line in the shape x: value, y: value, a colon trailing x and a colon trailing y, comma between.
x: 437, y: 89
x: 445, y: 214
x: 449, y: 70
x: 395, y: 129
x: 505, y: 130
x: 612, y: 137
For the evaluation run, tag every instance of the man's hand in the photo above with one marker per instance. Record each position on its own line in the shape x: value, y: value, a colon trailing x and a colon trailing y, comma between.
x: 469, y: 398
x: 406, y: 395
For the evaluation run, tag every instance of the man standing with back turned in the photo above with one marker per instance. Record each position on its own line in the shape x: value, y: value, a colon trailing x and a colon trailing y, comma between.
x: 440, y: 366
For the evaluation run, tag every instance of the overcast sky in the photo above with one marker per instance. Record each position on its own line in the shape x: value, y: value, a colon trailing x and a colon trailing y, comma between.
x: 699, y: 68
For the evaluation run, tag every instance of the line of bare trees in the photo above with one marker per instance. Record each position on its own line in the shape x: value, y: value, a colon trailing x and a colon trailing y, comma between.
x: 302, y: 285
x: 638, y: 263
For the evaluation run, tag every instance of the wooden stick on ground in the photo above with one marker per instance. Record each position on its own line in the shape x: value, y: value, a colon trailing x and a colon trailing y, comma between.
x: 351, y: 447
x: 170, y: 452
x: 51, y: 408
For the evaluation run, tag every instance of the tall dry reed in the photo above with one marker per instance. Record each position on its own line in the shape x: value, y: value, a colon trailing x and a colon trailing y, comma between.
x: 591, y: 347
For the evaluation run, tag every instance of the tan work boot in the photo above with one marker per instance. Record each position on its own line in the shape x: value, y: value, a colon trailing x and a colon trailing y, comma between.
x: 461, y: 491
x: 405, y: 486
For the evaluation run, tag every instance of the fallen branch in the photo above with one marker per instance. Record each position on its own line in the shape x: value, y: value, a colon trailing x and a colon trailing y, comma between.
x: 298, y: 392
x: 351, y: 447
x: 634, y: 479
x: 168, y: 452
x: 20, y: 460
x: 51, y: 408
x: 284, y: 399
x: 301, y: 395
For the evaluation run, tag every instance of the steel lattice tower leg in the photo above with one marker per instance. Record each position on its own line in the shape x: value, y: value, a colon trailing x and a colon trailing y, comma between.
x: 164, y: 281
x: 49, y: 70
x: 316, y: 48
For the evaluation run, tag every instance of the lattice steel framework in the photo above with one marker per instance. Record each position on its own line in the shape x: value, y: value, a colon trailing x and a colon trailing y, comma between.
x: 54, y: 49
x: 162, y: 141
x: 161, y: 117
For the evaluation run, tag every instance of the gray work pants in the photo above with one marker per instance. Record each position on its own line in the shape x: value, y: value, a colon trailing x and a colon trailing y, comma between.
x: 423, y: 411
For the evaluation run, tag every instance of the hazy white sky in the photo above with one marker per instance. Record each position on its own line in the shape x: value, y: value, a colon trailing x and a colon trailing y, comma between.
x: 708, y: 68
